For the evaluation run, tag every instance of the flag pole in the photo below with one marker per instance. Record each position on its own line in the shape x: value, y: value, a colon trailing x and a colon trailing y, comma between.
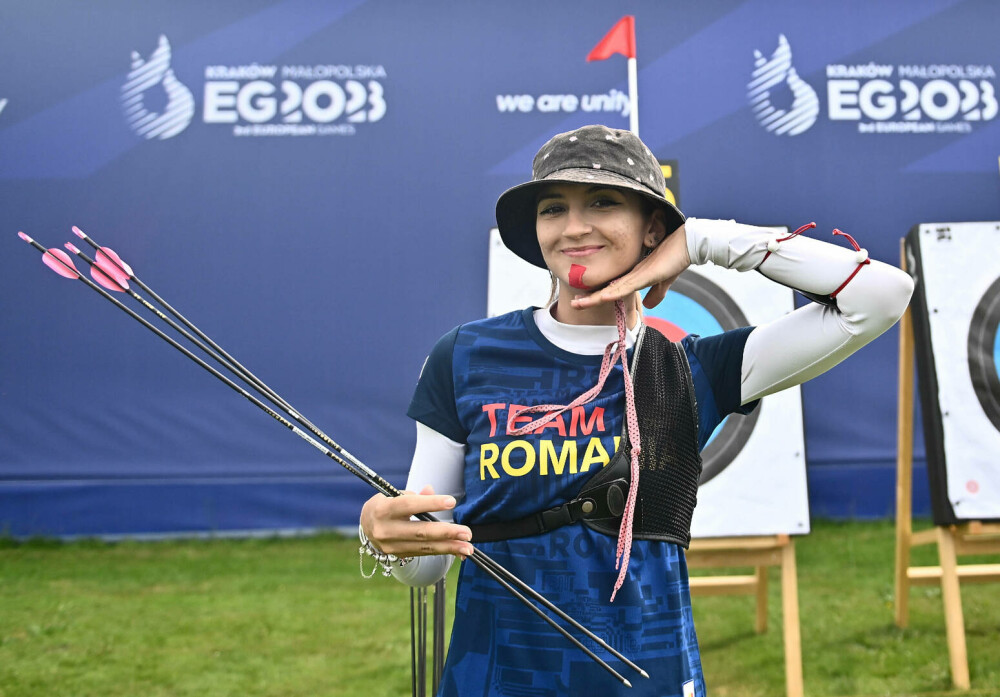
x: 633, y: 97
x: 621, y: 39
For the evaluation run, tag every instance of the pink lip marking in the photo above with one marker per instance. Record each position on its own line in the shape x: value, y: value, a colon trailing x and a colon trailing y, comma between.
x: 576, y: 277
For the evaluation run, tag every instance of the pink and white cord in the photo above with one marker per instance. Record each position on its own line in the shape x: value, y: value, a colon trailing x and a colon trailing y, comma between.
x: 612, y: 353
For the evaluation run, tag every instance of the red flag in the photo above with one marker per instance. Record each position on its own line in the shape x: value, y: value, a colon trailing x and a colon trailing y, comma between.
x: 621, y: 39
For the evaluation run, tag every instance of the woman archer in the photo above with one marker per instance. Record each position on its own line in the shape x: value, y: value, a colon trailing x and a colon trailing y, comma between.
x: 517, y: 415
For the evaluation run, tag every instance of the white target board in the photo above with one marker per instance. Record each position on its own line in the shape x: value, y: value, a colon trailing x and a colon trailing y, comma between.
x: 956, y: 314
x: 754, y: 468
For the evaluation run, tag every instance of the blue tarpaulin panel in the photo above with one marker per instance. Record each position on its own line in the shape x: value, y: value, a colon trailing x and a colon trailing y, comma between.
x: 313, y: 182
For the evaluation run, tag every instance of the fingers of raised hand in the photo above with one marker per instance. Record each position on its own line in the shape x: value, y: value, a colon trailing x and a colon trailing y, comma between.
x: 664, y: 264
x: 616, y: 290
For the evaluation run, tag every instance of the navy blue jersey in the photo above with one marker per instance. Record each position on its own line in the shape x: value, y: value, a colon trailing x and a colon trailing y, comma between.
x: 476, y: 376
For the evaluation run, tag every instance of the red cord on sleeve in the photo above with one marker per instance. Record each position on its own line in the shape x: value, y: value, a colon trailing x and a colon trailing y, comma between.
x: 802, y: 229
x: 857, y: 248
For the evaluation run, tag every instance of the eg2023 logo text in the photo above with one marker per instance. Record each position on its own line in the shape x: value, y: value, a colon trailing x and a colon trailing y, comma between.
x: 880, y: 98
x: 255, y: 99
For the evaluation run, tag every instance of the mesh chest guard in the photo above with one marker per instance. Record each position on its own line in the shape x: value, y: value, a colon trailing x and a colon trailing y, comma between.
x: 669, y: 462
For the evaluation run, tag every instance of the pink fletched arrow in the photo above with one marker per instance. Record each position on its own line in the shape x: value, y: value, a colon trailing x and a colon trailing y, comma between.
x: 55, y: 259
x: 118, y: 284
x: 112, y: 264
x: 59, y: 261
x: 107, y: 259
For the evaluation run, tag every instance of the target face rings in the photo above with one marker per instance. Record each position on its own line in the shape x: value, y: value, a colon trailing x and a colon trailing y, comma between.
x: 983, y: 349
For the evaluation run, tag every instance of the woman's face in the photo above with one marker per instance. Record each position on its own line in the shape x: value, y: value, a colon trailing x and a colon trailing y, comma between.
x: 600, y: 228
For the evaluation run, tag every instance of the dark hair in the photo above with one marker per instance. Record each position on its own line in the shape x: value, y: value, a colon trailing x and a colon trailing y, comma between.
x: 648, y: 207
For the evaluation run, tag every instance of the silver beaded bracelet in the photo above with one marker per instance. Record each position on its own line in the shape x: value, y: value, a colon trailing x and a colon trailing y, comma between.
x: 387, y: 561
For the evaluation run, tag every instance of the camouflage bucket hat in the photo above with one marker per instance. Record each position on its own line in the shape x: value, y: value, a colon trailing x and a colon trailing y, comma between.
x: 588, y: 155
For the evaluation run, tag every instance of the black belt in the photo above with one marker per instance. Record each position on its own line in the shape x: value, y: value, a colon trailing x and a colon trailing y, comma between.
x: 604, y: 501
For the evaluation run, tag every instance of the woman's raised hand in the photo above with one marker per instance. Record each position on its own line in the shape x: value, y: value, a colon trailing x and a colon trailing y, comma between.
x: 657, y: 271
x: 387, y: 524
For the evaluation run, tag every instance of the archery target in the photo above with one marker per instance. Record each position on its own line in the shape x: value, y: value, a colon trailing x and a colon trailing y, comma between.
x: 754, y: 469
x: 956, y: 322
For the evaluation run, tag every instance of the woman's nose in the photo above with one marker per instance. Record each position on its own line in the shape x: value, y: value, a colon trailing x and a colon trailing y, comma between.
x: 577, y: 223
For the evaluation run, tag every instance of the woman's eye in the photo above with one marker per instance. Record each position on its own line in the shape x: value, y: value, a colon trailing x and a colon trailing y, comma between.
x: 605, y: 202
x: 551, y: 209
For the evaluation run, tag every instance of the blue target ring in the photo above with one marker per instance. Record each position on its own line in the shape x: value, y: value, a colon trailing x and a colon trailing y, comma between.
x: 686, y: 313
x: 996, y: 354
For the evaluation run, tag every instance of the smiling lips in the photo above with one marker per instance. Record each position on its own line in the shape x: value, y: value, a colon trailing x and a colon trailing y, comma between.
x: 582, y: 251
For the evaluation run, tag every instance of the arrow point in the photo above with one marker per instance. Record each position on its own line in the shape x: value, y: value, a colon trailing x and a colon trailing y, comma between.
x: 78, y: 232
x: 72, y: 247
x: 25, y: 237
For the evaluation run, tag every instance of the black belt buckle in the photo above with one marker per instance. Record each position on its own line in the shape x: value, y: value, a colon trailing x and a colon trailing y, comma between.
x: 556, y: 517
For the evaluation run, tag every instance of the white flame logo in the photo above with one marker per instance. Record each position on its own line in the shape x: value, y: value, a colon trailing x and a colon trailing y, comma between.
x: 770, y: 72
x: 145, y: 75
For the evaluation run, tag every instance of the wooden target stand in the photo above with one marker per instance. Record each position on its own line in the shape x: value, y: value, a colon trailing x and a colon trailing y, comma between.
x: 952, y: 540
x: 760, y: 553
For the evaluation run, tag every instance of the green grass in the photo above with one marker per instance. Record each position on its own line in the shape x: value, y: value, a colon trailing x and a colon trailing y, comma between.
x: 850, y: 644
x: 293, y: 617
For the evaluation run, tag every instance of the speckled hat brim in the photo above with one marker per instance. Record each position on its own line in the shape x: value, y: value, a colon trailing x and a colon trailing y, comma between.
x: 517, y: 207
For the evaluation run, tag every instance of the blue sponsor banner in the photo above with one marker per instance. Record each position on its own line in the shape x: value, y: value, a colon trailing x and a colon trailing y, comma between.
x: 312, y: 183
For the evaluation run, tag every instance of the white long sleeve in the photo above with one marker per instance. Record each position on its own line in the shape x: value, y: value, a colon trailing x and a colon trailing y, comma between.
x: 813, y: 338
